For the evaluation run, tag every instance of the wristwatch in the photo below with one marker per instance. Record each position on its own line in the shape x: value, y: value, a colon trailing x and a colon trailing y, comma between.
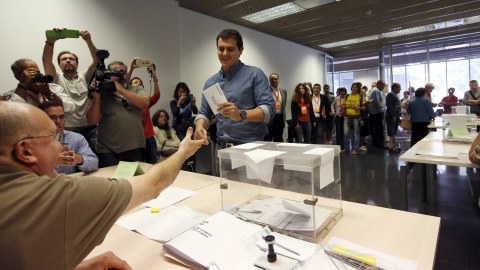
x: 243, y: 115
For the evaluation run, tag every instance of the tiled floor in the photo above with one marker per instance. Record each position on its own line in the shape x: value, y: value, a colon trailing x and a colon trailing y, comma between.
x: 373, y: 178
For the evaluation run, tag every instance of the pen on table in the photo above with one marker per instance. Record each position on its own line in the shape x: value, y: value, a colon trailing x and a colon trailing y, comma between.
x: 284, y: 247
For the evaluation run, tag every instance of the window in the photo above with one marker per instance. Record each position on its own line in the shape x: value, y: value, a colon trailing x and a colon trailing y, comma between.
x: 416, y: 75
x: 438, y: 76
x: 457, y: 74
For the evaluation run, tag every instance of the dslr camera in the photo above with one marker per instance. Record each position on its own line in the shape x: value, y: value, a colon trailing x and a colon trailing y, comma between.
x: 101, y: 74
x: 43, y: 78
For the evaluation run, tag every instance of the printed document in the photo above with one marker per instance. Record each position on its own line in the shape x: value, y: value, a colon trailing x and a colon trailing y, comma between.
x: 214, y: 96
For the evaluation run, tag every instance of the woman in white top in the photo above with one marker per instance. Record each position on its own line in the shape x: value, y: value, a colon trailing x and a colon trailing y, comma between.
x: 166, y: 137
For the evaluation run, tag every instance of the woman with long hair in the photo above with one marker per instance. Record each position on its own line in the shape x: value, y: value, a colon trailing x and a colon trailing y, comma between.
x: 165, y: 136
x: 182, y: 106
x: 302, y: 114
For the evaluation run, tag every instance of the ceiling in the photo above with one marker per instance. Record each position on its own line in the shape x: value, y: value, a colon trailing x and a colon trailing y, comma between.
x: 347, y: 19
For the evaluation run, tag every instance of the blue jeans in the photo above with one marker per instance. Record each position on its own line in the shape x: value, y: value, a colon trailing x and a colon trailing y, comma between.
x: 305, y: 132
x: 356, y: 133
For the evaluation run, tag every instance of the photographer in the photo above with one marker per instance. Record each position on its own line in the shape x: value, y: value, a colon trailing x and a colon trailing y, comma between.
x: 151, y: 145
x: 74, y: 82
x: 118, y: 114
x: 182, y: 106
x: 35, y: 88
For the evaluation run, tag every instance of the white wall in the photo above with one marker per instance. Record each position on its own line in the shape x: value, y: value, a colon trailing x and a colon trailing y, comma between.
x: 125, y: 28
x: 198, y: 59
x: 180, y: 42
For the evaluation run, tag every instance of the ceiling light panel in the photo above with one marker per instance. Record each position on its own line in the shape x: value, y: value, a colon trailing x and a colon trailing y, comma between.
x: 348, y: 41
x: 273, y: 13
x: 409, y: 31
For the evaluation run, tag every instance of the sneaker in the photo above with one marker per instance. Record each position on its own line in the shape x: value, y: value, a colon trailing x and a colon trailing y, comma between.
x: 354, y: 152
x: 362, y: 148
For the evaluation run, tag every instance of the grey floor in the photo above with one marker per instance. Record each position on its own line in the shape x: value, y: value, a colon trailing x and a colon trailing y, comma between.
x: 373, y: 178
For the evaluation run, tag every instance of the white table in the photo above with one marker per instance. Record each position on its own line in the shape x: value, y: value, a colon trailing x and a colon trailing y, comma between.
x: 403, y: 234
x: 432, y: 143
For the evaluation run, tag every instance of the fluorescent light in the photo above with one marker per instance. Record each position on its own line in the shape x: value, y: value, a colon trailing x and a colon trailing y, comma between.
x: 456, y: 46
x: 273, y: 13
x: 356, y: 60
x: 348, y: 42
x: 409, y: 31
x: 473, y: 19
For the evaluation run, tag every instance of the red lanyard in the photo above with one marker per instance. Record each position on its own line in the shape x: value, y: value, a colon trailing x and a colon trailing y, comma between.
x: 38, y: 104
x: 316, y: 101
x: 276, y: 95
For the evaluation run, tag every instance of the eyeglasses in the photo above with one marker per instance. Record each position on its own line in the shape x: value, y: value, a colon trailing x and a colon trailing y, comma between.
x: 125, y: 103
x: 58, y: 137
x: 54, y: 118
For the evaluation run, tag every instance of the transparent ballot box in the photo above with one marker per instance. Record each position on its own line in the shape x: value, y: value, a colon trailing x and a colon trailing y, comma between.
x: 292, y: 188
x: 459, y: 127
x: 460, y: 109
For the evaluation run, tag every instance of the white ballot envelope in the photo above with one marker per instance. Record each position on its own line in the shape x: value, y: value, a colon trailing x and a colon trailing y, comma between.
x: 214, y: 96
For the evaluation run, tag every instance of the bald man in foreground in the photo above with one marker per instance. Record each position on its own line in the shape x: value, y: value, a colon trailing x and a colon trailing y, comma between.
x: 53, y: 221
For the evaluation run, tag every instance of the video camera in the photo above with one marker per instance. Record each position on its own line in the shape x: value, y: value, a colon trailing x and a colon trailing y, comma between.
x: 100, y: 74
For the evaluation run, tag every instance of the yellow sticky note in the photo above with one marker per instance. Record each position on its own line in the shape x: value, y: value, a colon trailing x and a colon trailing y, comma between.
x: 154, y: 210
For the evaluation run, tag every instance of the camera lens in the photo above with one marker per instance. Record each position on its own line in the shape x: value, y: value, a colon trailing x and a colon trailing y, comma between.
x: 43, y: 78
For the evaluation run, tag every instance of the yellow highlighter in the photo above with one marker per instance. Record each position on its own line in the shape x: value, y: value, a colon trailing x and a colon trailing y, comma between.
x: 355, y: 255
x: 155, y: 210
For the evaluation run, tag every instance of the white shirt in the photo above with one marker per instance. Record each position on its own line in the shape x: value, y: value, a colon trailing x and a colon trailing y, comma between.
x: 37, y: 99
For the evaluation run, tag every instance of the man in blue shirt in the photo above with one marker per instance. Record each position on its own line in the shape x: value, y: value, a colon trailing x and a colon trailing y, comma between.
x: 76, y: 155
x: 250, y: 107
x: 377, y: 109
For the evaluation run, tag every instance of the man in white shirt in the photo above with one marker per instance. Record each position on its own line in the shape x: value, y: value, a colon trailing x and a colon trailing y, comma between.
x: 275, y: 130
x: 32, y: 90
x: 75, y: 84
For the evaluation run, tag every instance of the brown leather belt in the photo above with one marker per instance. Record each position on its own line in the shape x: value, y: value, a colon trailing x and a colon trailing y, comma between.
x: 224, y: 145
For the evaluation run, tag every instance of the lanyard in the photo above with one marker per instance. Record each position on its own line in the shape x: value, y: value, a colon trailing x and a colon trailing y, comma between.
x: 316, y: 101
x: 38, y: 104
x: 276, y: 95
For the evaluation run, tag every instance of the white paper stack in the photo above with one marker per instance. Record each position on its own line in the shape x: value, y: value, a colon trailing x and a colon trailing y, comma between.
x: 164, y: 225
x: 170, y: 196
x: 284, y: 214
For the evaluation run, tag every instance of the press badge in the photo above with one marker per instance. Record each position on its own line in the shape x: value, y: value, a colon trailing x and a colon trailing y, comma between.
x: 278, y: 105
x: 304, y: 109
